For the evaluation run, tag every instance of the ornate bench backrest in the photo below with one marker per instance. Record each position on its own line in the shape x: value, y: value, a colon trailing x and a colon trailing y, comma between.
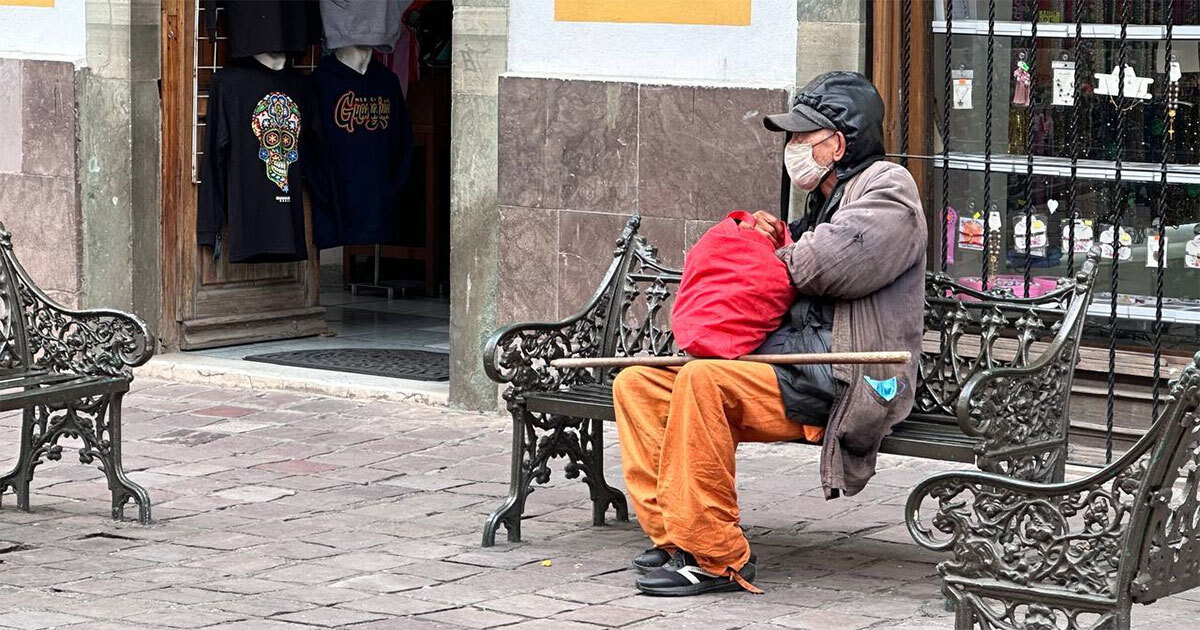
x: 641, y: 324
x: 36, y: 332
x: 973, y: 331
x: 14, y: 343
x: 1165, y: 527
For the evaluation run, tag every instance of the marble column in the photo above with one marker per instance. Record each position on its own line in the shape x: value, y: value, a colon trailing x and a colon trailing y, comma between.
x: 480, y: 55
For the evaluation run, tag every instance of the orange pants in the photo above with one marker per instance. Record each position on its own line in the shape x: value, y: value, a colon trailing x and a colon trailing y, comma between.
x: 679, y: 430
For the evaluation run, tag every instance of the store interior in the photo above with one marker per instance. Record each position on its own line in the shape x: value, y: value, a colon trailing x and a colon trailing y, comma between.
x: 1134, y: 190
x: 376, y: 176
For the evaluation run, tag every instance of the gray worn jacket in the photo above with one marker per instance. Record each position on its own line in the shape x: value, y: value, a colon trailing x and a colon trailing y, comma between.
x: 870, y: 259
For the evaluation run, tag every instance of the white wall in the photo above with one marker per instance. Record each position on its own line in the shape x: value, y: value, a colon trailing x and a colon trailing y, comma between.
x: 55, y: 33
x: 761, y: 54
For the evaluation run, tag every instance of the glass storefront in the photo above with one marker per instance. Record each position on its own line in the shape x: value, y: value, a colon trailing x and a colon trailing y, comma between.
x: 1034, y: 212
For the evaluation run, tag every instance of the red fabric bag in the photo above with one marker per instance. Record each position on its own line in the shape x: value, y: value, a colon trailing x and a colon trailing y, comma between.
x: 734, y: 292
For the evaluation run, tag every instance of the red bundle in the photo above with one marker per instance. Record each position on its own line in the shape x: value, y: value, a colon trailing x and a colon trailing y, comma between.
x: 734, y: 292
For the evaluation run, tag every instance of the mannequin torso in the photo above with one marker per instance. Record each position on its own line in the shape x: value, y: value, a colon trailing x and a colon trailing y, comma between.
x: 274, y: 61
x: 355, y: 57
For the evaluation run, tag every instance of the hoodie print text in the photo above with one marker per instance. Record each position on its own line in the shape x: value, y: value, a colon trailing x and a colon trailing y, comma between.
x: 367, y: 112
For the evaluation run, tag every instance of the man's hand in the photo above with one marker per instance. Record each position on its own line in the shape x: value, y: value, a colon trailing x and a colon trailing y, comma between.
x: 770, y: 226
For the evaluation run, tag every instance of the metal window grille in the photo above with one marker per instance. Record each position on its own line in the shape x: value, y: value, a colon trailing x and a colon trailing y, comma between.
x: 1117, y: 160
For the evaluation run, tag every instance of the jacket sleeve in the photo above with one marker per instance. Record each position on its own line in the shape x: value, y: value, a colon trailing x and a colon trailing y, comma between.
x: 211, y: 208
x: 866, y: 245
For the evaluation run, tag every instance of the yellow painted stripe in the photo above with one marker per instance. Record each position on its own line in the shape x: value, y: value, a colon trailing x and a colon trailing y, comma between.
x: 718, y: 12
x: 27, y: 3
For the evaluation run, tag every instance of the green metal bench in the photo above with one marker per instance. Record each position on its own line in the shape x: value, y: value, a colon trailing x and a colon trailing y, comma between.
x: 993, y: 386
x: 68, y: 370
x: 1075, y: 555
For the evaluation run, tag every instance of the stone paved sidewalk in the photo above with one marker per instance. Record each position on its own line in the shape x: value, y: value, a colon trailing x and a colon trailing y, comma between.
x: 274, y: 510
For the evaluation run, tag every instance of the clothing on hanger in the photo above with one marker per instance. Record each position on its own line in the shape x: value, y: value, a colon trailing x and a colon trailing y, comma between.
x: 266, y: 26
x: 260, y: 145
x: 357, y: 23
x: 368, y: 141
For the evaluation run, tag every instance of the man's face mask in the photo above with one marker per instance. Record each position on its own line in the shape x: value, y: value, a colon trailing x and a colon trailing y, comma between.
x: 802, y: 167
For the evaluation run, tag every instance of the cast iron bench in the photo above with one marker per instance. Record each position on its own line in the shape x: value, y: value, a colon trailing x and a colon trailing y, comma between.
x: 993, y: 386
x: 68, y: 371
x: 1072, y: 555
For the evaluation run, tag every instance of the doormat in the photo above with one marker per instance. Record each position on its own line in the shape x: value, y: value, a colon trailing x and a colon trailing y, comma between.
x: 416, y: 365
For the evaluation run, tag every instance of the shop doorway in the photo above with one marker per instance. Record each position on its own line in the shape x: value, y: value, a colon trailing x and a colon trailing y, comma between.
x: 371, y: 300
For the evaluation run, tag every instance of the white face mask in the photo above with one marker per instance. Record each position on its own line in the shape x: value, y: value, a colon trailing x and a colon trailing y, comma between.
x: 802, y: 167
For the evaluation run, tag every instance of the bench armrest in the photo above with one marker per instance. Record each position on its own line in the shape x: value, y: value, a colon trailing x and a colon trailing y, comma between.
x: 1019, y: 405
x: 1066, y: 535
x: 1080, y: 537
x: 1028, y: 405
x: 94, y: 342
x: 520, y: 354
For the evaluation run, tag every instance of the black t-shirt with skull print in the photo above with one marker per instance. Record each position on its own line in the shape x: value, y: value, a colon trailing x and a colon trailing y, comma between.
x: 260, y: 144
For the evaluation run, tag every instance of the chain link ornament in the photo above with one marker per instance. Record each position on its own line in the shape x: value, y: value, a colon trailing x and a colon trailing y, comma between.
x: 1173, y: 75
x: 1117, y: 215
x: 987, y: 134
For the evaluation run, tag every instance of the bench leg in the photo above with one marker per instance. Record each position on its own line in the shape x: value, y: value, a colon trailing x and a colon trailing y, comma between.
x: 603, y: 495
x: 19, y: 477
x: 536, y: 440
x: 964, y: 618
x: 97, y: 422
x: 108, y: 451
x: 509, y: 513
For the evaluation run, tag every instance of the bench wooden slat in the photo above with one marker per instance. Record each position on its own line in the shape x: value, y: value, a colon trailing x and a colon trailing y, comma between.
x: 582, y: 404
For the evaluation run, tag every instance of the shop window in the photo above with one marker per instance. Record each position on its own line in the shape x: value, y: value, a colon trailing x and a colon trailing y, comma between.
x: 1058, y: 154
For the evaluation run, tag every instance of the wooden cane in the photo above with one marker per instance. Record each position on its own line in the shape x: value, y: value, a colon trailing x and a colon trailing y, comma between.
x: 783, y: 359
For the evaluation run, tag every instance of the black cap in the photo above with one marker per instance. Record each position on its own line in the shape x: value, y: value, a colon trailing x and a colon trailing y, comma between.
x: 802, y: 118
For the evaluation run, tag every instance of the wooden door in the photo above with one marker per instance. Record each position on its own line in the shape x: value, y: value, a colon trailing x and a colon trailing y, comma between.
x: 209, y: 303
x: 914, y: 135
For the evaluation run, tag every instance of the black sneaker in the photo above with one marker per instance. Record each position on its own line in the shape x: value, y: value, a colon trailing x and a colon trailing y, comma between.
x: 651, y: 559
x: 683, y: 576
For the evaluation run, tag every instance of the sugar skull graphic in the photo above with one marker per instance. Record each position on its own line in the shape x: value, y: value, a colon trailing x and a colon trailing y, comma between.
x: 276, y: 124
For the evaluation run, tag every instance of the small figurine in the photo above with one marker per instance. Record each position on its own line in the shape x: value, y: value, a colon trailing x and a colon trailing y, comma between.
x: 1023, y: 88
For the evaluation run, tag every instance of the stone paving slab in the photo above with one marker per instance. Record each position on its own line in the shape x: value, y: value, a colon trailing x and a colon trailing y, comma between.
x: 289, y: 511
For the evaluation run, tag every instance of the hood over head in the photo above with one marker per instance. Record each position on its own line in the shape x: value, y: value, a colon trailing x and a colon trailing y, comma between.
x: 851, y: 103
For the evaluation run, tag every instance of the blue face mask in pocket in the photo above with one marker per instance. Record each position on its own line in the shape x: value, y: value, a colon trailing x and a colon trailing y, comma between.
x: 887, y: 389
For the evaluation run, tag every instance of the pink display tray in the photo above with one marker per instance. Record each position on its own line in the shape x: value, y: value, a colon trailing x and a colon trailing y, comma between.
x: 1038, y: 286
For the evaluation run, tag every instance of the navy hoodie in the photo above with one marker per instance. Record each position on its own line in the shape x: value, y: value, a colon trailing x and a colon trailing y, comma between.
x: 368, y: 141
